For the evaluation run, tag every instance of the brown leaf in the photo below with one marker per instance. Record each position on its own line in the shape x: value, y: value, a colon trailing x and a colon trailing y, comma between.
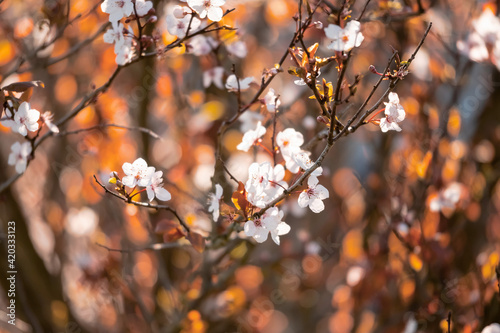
x: 165, y: 226
x: 312, y: 50
x: 23, y: 86
x: 26, y: 95
x: 197, y: 241
x: 239, y: 199
x: 173, y: 234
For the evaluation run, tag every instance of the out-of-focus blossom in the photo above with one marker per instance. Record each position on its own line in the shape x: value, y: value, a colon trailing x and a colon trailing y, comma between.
x: 137, y: 173
x: 213, y: 75
x: 117, y: 9
x: 251, y: 137
x: 47, y: 120
x: 270, y: 222
x: 213, y: 202
x: 249, y: 120
x: 19, y: 156
x: 178, y: 26
x: 484, y: 38
x: 493, y: 328
x: 238, y: 49
x: 232, y: 83
x: 208, y: 8
x: 394, y: 113
x: 446, y: 198
x: 271, y: 100
x: 344, y: 39
x: 313, y: 195
x: 143, y: 7
x: 201, y: 45
x: 155, y: 187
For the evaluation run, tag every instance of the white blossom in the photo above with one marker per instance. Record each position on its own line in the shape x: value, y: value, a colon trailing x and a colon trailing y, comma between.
x: 155, y: 187
x: 344, y: 39
x: 303, y: 160
x: 214, y: 202
x: 117, y: 9
x: 251, y: 137
x: 137, y: 173
x: 201, y: 45
x: 208, y: 8
x: 232, y: 83
x: 446, y: 198
x: 115, y: 35
x: 19, y: 156
x: 271, y: 100
x: 125, y: 53
x: 238, y: 49
x: 25, y: 119
x: 178, y: 26
x: 492, y: 328
x: 213, y: 75
x: 394, y: 113
x: 313, y: 195
x: 47, y: 120
x: 270, y: 222
x: 143, y: 7
x: 264, y: 183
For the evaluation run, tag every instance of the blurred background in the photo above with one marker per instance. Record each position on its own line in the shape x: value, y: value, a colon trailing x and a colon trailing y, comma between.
x: 377, y: 259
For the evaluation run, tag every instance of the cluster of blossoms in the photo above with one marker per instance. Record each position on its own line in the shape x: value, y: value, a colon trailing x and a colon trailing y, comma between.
x: 446, y: 198
x: 483, y: 43
x: 119, y: 35
x: 140, y: 174
x: 22, y: 121
x: 394, y: 114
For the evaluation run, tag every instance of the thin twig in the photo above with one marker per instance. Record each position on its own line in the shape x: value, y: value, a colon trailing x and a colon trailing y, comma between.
x: 144, y: 204
x: 100, y: 126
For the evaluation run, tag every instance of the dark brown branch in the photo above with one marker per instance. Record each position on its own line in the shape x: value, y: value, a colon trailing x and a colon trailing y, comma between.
x: 144, y: 204
x: 100, y: 126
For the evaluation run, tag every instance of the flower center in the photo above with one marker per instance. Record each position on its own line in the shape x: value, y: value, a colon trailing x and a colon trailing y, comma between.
x: 345, y: 38
x: 257, y: 223
x: 120, y: 3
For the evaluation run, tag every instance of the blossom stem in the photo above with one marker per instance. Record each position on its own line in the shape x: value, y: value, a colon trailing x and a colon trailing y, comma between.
x: 374, y: 115
x: 264, y: 147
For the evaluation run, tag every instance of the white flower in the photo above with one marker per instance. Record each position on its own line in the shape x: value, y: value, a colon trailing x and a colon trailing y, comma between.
x: 289, y: 141
x: 447, y: 198
x: 493, y: 328
x: 251, y: 136
x: 271, y: 100
x: 487, y: 26
x: 238, y: 49
x: 143, y: 7
x: 155, y: 187
x: 115, y: 35
x: 270, y: 222
x: 213, y: 75
x: 125, y: 53
x: 303, y: 160
x: 394, y: 113
x: 117, y: 9
x: 208, y: 8
x: 314, y: 195
x: 249, y: 120
x: 344, y: 39
x: 264, y: 183
x: 179, y: 11
x: 213, y: 202
x: 178, y: 26
x: 200, y: 45
x: 25, y: 119
x: 47, y: 120
x: 137, y: 173
x: 19, y: 156
x: 232, y: 83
